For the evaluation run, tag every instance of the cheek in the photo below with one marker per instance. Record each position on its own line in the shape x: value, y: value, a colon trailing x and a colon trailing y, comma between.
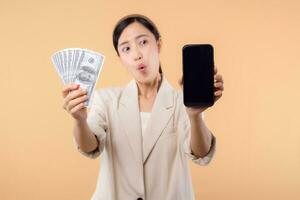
x: 126, y: 62
x: 154, y: 55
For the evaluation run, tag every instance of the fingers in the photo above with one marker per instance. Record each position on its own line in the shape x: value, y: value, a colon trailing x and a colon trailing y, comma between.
x: 180, y: 82
x: 217, y: 98
x: 76, y: 108
x: 219, y: 86
x: 75, y: 102
x: 215, y: 69
x: 218, y: 78
x: 66, y: 90
x: 218, y: 93
x: 73, y: 96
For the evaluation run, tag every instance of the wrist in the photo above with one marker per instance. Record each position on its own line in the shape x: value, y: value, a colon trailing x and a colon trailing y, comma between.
x: 195, y: 116
x: 80, y: 122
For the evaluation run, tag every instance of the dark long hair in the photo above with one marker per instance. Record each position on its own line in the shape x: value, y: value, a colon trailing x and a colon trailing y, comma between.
x: 129, y: 19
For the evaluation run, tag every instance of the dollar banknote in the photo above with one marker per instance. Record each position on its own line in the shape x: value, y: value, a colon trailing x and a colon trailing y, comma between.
x: 80, y: 66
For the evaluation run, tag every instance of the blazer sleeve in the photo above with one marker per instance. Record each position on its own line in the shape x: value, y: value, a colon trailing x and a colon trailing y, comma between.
x: 97, y: 122
x: 185, y: 129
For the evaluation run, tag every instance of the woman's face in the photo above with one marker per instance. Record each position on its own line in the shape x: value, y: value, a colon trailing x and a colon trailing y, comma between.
x: 139, y: 52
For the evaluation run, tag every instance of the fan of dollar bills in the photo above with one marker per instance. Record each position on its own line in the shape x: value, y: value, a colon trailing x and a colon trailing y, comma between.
x: 81, y: 66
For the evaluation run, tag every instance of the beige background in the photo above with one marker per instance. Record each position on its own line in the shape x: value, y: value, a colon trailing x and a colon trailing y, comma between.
x: 257, y: 45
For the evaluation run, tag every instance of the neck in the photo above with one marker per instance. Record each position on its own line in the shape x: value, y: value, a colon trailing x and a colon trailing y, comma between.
x: 150, y: 89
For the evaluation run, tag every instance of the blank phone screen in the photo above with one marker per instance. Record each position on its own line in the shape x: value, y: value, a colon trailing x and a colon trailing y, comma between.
x: 198, y: 75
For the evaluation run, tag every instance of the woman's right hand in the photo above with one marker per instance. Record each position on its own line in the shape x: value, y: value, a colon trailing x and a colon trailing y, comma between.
x: 74, y: 99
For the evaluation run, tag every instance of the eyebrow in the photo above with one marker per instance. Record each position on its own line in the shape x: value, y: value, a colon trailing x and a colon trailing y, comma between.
x: 137, y: 37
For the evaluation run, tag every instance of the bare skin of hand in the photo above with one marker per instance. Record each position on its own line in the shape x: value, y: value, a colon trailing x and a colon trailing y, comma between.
x: 218, y: 91
x: 74, y: 99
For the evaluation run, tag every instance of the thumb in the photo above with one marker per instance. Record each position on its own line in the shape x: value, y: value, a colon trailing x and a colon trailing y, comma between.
x: 180, y: 82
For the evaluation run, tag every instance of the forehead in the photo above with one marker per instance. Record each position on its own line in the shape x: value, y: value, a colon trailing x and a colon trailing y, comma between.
x: 132, y: 31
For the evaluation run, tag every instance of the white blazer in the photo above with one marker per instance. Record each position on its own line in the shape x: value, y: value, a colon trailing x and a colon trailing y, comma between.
x: 155, y: 168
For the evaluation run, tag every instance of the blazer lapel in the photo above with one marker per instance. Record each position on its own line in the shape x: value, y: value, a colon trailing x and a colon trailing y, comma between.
x: 129, y: 115
x: 160, y: 115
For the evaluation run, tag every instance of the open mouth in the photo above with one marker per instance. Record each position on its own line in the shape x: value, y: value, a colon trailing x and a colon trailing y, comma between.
x: 141, y: 67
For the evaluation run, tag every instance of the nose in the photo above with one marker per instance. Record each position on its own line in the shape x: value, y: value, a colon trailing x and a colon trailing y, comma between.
x: 137, y: 54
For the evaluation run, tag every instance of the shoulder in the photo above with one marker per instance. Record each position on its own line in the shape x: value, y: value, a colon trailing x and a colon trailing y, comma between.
x: 170, y: 90
x: 178, y: 96
x: 108, y: 94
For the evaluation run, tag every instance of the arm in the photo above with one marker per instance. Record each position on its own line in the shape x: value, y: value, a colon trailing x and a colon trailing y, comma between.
x: 201, y: 137
x: 84, y: 137
x: 198, y: 143
x: 74, y: 99
x: 202, y: 140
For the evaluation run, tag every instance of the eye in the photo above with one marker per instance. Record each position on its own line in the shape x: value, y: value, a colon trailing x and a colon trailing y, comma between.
x: 125, y: 49
x: 143, y: 42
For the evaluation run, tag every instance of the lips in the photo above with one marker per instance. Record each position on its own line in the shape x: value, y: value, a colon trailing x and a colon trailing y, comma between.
x: 141, y: 67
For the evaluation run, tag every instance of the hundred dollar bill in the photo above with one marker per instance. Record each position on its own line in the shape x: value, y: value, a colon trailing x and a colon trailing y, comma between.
x: 81, y: 66
x: 88, y: 70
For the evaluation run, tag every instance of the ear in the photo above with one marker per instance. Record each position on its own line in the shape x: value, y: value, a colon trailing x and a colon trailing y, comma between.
x: 159, y: 44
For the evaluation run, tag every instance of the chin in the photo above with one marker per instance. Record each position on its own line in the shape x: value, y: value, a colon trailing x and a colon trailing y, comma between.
x: 145, y: 79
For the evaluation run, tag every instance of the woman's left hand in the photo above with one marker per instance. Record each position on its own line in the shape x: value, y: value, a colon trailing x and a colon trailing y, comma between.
x: 218, y: 91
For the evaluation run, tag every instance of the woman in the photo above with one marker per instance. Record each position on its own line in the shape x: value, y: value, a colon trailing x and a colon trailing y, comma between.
x: 143, y: 132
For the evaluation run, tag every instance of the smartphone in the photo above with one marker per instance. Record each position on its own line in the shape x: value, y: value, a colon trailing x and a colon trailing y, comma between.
x: 198, y: 75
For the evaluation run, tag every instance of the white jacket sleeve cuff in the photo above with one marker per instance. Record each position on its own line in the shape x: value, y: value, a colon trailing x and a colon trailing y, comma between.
x: 201, y: 160
x: 93, y: 154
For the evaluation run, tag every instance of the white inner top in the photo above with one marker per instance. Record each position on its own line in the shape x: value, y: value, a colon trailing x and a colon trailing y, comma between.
x: 144, y: 120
